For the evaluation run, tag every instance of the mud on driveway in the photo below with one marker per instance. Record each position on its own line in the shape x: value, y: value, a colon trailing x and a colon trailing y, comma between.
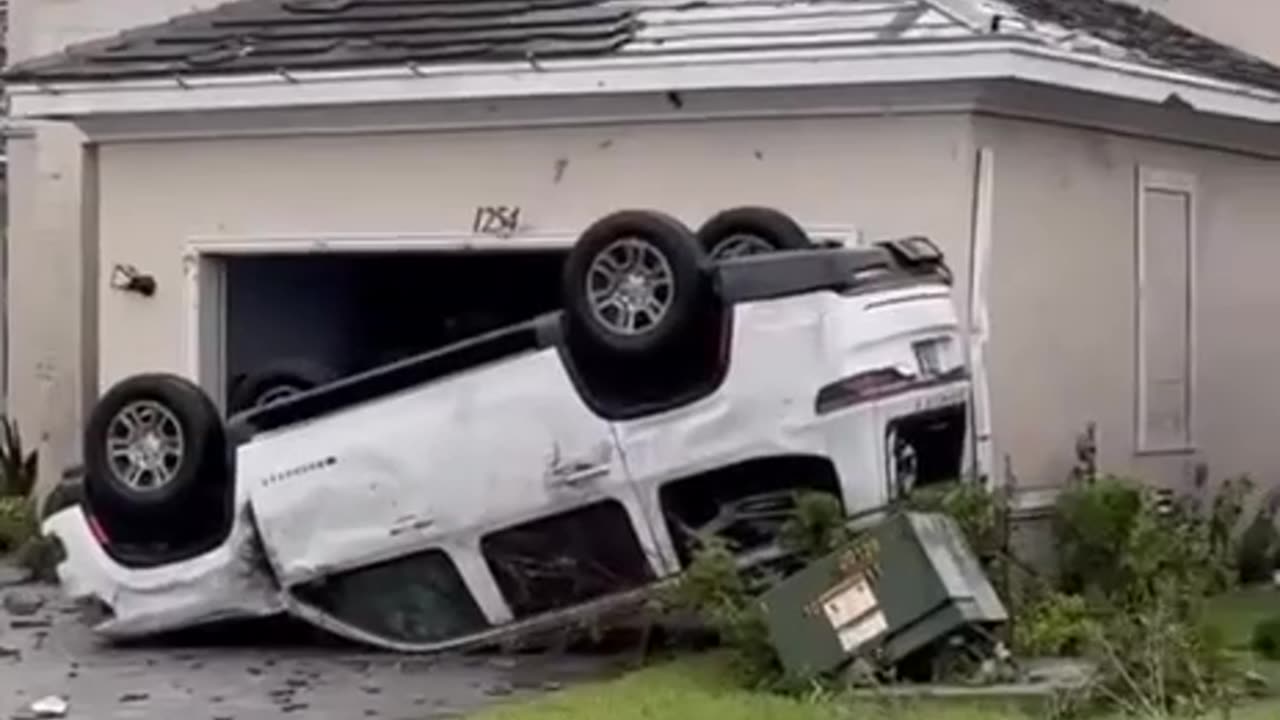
x: 248, y: 672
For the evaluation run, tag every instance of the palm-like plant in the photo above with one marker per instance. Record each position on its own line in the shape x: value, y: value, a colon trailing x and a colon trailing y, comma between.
x: 17, y: 465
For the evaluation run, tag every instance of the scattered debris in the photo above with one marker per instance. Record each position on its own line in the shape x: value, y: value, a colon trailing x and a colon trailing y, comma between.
x: 22, y: 604
x: 11, y: 576
x: 500, y: 690
x: 51, y: 706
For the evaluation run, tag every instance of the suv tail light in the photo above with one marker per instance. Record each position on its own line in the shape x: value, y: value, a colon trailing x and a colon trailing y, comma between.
x: 860, y: 388
x: 99, y: 533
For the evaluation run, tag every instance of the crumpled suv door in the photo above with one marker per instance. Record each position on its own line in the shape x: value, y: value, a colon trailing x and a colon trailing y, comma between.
x: 373, y: 517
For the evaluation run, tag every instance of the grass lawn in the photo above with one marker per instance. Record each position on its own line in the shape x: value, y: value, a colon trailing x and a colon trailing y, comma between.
x: 1236, y: 613
x: 701, y: 687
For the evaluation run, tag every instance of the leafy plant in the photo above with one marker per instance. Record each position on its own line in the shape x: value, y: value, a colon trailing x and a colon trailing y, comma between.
x: 1054, y: 625
x: 1143, y: 570
x: 1159, y: 663
x: 713, y: 588
x: 1266, y: 638
x: 1258, y: 545
x: 979, y: 512
x: 17, y: 522
x: 816, y: 528
x: 17, y: 466
x: 1091, y: 522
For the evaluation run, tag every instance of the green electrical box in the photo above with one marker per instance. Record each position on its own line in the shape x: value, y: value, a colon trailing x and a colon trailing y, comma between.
x: 901, y: 586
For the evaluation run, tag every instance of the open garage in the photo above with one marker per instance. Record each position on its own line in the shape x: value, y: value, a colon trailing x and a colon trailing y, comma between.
x: 292, y: 322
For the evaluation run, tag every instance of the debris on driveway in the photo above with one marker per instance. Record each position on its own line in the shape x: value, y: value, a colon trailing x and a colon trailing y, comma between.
x: 206, y: 675
x: 11, y: 575
x: 22, y: 603
x: 49, y: 707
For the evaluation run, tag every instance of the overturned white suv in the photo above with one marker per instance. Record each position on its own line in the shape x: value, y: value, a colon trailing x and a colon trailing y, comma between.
x: 691, y: 384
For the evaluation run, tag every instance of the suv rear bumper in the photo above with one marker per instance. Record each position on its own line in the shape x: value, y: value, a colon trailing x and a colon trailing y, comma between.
x: 225, y: 583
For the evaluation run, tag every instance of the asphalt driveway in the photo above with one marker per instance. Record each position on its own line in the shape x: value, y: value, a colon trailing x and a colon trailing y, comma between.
x: 270, y: 670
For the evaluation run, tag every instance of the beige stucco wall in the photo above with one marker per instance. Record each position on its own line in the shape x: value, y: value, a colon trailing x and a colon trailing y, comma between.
x: 888, y: 176
x: 44, y: 380
x: 1062, y: 298
x: 1247, y: 24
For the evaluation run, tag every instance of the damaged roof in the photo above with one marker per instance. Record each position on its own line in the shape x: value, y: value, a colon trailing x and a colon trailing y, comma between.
x: 249, y: 36
x: 1152, y: 38
x: 255, y: 36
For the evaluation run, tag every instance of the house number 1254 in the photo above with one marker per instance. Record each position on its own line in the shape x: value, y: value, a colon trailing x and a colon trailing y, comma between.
x: 500, y: 220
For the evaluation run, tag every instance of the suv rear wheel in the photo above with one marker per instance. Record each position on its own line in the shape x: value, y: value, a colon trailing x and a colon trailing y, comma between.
x: 635, y: 284
x: 155, y: 452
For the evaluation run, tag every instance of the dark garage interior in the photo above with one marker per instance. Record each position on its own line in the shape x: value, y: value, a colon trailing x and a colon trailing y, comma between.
x: 346, y: 312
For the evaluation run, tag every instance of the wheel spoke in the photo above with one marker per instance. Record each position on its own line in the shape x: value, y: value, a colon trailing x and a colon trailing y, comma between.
x: 654, y: 307
x: 119, y: 447
x: 133, y: 478
x: 628, y: 317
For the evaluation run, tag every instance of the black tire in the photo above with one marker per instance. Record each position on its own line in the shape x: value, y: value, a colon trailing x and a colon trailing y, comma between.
x: 199, y: 475
x: 273, y: 381
x: 765, y: 226
x: 667, y: 239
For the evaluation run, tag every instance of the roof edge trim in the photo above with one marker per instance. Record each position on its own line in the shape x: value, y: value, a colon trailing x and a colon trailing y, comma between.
x: 940, y: 62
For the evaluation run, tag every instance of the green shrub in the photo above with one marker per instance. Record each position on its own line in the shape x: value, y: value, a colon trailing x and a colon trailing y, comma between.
x: 1266, y: 638
x: 980, y: 513
x: 1258, y: 545
x: 713, y: 588
x: 1091, y: 523
x: 1159, y: 663
x: 1144, y: 573
x: 17, y: 523
x: 817, y: 527
x: 1116, y: 545
x: 1055, y: 625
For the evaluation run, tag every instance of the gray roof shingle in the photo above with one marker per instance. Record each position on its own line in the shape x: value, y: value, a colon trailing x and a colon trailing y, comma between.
x: 1154, y: 38
x: 247, y: 36
x: 268, y: 35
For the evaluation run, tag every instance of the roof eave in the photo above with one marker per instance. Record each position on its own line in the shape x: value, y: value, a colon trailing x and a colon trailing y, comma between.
x: 625, y: 74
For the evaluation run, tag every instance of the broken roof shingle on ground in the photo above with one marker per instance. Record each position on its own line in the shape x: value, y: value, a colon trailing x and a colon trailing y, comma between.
x: 255, y: 36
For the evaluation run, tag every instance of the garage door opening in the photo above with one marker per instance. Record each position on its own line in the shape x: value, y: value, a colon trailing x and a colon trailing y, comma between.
x: 293, y: 320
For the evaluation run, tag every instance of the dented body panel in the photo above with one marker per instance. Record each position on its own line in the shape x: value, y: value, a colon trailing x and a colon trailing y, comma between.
x: 230, y: 582
x: 422, y: 487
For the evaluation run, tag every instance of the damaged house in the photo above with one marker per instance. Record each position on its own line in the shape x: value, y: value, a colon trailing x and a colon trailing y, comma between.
x: 277, y: 193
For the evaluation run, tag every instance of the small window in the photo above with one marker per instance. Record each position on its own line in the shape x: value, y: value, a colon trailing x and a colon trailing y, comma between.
x: 1166, y: 242
x: 414, y: 599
